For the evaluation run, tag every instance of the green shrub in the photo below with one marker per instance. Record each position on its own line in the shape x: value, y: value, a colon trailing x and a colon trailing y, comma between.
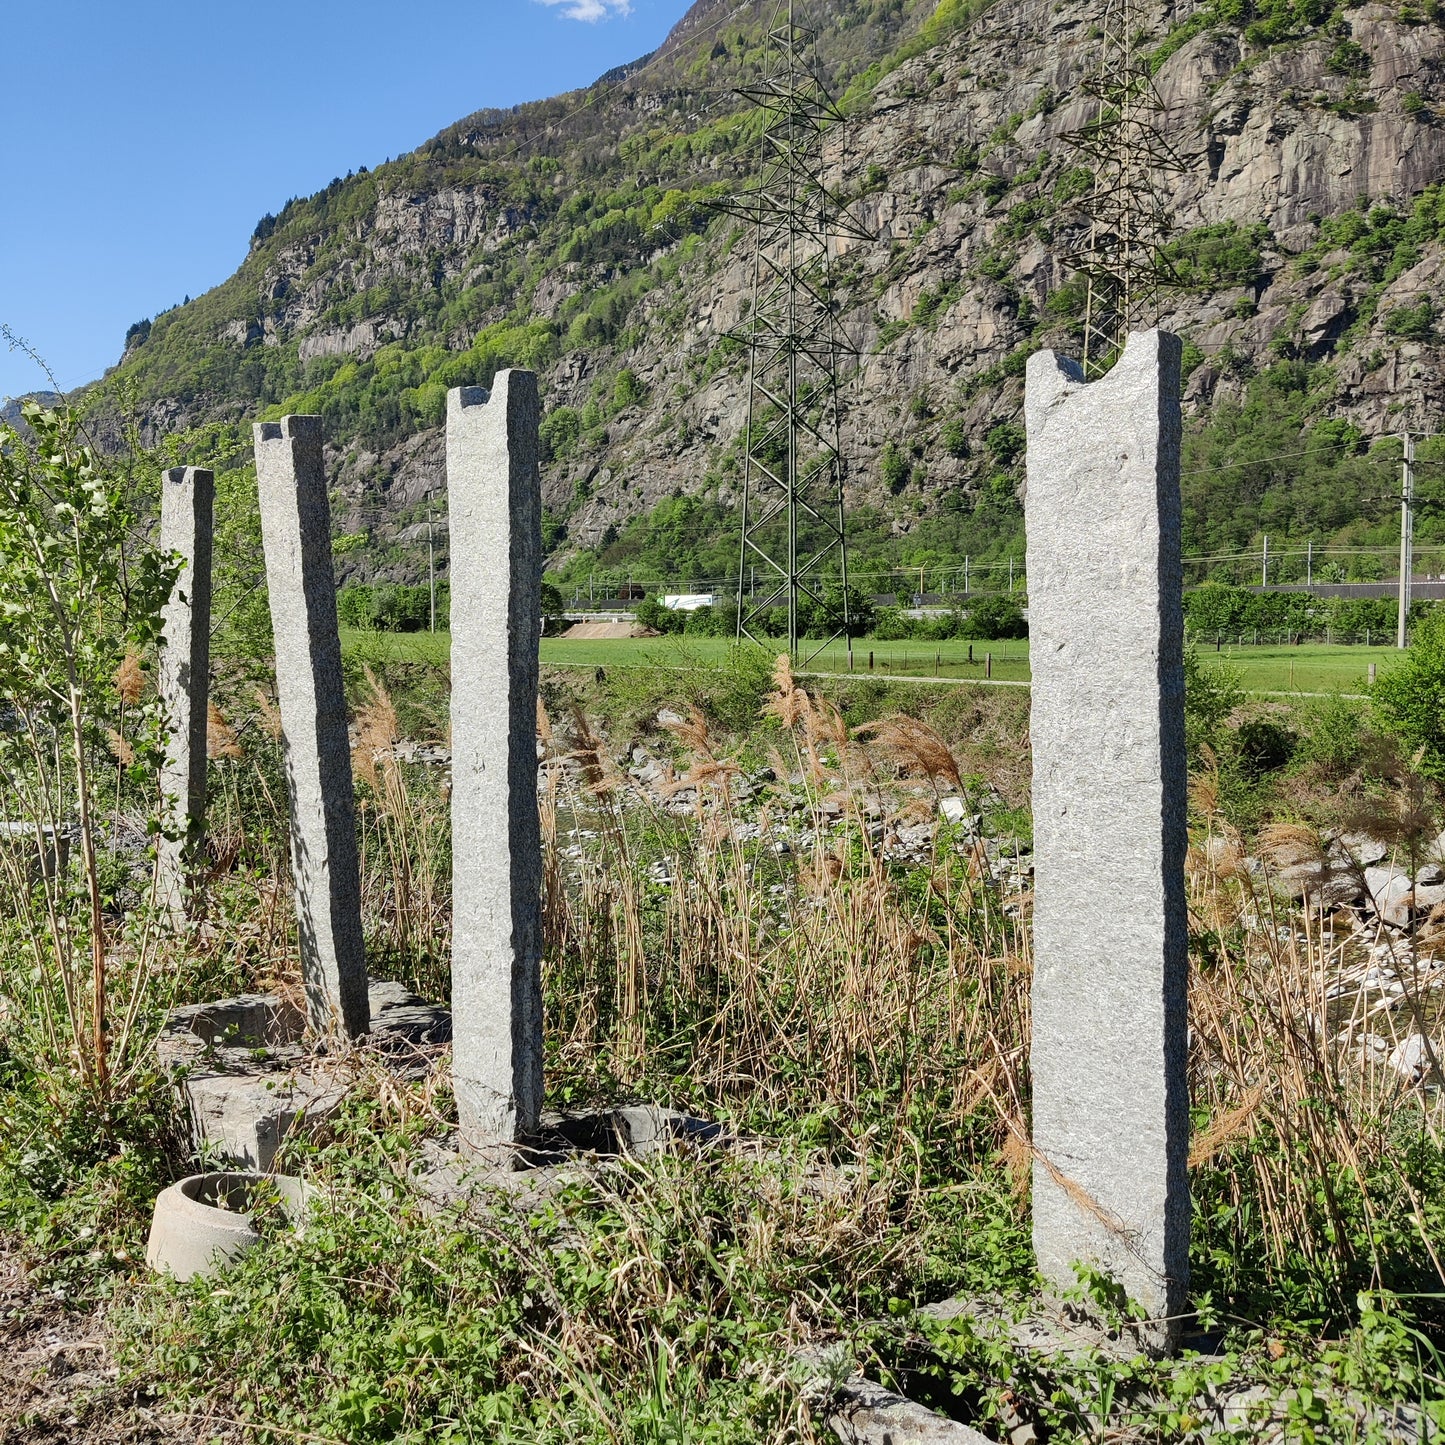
x: 651, y: 613
x: 559, y: 433
x: 1005, y: 442
x: 627, y: 391
x: 392, y: 606
x: 995, y: 619
x: 1333, y: 739
x: 892, y: 624
x: 955, y: 439
x: 894, y: 468
x: 1410, y: 696
x: 1411, y: 323
x: 1225, y: 254
x: 1264, y: 746
x: 1348, y: 58
x: 1211, y: 693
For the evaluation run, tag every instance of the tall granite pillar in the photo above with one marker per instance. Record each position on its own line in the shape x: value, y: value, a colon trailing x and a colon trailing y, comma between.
x: 183, y: 677
x: 1106, y: 632
x: 296, y: 535
x: 494, y: 503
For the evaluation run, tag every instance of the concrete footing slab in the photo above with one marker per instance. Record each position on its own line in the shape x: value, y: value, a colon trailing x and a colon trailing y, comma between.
x: 566, y: 1148
x: 863, y: 1412
x: 1051, y: 1331
x: 250, y: 1076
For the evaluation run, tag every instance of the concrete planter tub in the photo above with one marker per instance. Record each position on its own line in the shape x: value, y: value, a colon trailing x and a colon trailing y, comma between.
x: 204, y: 1222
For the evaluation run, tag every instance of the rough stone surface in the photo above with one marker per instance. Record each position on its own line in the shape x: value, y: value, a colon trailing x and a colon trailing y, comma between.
x: 494, y: 505
x: 42, y: 847
x: 183, y: 675
x: 1110, y: 1103
x: 863, y: 1412
x: 1390, y: 893
x: 249, y: 1079
x: 1427, y: 897
x: 296, y: 533
x: 1363, y: 848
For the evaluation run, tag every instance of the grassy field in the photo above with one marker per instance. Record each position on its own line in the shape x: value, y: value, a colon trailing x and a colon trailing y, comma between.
x: 1311, y: 668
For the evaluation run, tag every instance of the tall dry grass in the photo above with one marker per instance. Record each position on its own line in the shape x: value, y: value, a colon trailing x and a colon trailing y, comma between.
x: 749, y: 947
x: 405, y: 835
x: 780, y: 979
x: 787, y: 969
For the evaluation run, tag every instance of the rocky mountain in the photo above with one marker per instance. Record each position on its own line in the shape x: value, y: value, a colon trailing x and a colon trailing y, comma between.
x: 575, y: 235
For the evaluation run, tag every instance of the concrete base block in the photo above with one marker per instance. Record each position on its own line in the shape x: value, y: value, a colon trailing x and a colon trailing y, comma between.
x: 567, y: 1148
x: 637, y: 1129
x: 203, y: 1223
x: 862, y: 1412
x: 250, y: 1077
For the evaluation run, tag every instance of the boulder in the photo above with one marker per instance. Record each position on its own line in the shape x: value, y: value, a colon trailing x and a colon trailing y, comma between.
x: 249, y: 1076
x: 1363, y: 848
x: 1391, y: 894
x: 1324, y: 883
x: 1410, y: 1058
x: 1427, y: 897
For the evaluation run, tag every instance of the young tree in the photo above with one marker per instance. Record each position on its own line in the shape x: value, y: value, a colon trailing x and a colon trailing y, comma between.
x: 80, y: 604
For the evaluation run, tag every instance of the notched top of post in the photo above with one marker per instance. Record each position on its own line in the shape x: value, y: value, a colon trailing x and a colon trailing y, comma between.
x: 1050, y: 377
x: 179, y: 476
x: 292, y: 428
x: 460, y: 397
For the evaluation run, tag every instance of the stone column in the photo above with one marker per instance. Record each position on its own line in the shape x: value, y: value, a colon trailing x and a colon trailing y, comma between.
x: 183, y: 677
x: 296, y: 534
x: 494, y: 503
x: 1106, y: 633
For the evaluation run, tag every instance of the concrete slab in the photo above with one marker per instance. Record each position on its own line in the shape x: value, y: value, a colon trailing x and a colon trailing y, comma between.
x: 250, y: 1077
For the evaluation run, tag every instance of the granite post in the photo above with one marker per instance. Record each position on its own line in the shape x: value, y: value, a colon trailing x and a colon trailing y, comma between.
x: 494, y: 503
x: 183, y: 678
x: 1106, y: 632
x: 296, y: 535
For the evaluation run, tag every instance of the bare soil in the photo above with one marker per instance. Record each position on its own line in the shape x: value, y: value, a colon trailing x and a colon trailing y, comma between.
x: 59, y: 1381
x: 606, y: 631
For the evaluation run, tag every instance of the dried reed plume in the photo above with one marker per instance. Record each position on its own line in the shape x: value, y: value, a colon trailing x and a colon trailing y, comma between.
x: 120, y: 750
x: 130, y: 680
x: 221, y: 740
x: 917, y: 749
x: 268, y: 714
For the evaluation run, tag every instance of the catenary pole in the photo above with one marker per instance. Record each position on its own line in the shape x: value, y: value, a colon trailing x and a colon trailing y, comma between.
x: 1407, y: 498
x: 431, y: 570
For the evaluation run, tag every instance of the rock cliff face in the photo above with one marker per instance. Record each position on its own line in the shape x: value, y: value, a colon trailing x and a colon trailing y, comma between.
x: 550, y: 236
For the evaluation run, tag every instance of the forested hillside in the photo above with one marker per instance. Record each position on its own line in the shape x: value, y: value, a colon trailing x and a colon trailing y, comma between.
x: 575, y: 235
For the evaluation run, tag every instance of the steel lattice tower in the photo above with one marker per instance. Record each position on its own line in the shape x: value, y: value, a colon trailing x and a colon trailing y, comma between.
x: 1127, y: 208
x: 793, y: 528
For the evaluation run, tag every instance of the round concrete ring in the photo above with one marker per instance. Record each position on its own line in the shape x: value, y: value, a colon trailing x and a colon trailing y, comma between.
x: 190, y: 1236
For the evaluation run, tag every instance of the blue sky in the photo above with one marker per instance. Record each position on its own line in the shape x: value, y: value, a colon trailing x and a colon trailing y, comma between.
x: 142, y: 141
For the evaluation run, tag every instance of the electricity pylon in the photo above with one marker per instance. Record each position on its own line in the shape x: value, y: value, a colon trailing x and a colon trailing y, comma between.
x: 1127, y: 208
x: 793, y: 525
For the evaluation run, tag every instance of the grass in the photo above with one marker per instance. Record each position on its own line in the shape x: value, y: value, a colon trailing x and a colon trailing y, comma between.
x: 916, y: 659
x: 753, y: 942
x: 1308, y: 668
